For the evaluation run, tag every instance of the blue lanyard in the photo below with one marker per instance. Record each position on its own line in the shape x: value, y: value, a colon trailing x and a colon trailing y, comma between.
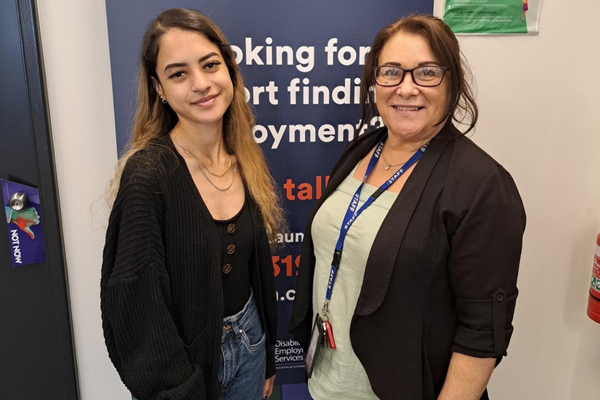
x: 352, y: 213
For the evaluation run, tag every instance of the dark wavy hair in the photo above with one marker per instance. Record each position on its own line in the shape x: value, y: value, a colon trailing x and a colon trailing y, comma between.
x: 444, y: 45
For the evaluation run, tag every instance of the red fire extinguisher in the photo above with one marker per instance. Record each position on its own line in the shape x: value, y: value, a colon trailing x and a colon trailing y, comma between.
x: 593, y: 310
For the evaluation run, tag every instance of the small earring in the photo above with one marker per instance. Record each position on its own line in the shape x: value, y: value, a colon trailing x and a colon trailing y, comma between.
x: 163, y: 100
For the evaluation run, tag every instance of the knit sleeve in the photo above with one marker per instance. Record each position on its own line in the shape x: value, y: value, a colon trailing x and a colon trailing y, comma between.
x: 483, y: 264
x: 141, y: 337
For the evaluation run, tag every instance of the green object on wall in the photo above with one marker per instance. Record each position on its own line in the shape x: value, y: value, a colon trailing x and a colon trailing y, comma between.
x: 486, y: 16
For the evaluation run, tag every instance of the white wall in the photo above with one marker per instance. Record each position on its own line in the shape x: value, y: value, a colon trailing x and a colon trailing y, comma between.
x: 74, y: 40
x: 538, y: 118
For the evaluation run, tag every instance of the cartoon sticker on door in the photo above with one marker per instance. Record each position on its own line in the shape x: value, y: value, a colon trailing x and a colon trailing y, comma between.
x: 24, y: 223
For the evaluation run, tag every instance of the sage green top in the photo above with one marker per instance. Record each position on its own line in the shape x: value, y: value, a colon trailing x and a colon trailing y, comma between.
x: 338, y: 374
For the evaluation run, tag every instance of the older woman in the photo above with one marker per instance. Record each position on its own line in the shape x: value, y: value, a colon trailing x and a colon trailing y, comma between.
x: 188, y: 293
x: 424, y: 229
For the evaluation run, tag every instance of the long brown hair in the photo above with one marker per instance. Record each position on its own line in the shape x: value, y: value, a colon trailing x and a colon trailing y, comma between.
x: 444, y: 45
x: 153, y: 119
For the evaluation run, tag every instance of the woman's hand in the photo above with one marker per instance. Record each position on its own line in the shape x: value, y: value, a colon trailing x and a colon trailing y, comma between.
x: 268, y: 390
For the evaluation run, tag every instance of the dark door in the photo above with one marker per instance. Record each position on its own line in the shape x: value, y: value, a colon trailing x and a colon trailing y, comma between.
x: 36, y: 348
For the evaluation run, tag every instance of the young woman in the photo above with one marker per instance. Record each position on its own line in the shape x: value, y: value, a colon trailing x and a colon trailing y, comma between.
x: 188, y: 294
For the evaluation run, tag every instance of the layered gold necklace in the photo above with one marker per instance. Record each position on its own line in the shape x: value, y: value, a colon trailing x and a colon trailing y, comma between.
x: 203, y: 167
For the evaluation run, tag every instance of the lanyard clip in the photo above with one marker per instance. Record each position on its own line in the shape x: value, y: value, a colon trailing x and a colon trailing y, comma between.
x: 337, y: 258
x: 325, y: 310
x: 377, y: 193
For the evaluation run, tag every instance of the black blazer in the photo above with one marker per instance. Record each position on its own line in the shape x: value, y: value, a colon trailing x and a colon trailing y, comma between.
x: 441, y: 275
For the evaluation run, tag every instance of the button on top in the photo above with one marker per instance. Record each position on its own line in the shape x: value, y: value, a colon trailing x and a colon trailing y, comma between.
x: 226, y: 268
x: 231, y: 249
x: 500, y: 297
x: 231, y: 228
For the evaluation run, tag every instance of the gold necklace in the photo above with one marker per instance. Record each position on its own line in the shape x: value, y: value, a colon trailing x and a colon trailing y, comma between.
x: 217, y: 175
x: 201, y: 167
x: 201, y: 163
x: 215, y: 186
x: 204, y: 166
x: 389, y: 165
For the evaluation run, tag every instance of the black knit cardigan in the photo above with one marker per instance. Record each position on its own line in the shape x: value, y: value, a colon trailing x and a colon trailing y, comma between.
x: 161, y: 293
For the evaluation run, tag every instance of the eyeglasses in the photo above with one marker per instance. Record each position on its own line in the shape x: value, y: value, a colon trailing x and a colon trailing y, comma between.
x: 426, y: 76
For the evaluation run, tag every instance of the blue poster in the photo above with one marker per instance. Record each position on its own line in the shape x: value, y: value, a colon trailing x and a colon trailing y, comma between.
x: 302, y: 66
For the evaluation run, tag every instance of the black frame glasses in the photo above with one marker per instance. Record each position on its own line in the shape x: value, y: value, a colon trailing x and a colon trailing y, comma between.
x: 417, y: 82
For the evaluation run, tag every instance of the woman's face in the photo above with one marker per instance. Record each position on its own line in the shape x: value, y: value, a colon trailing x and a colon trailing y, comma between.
x: 193, y: 78
x: 409, y: 111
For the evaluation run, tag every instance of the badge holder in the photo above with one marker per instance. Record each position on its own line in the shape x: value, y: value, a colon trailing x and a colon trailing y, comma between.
x: 316, y: 341
x: 328, y: 339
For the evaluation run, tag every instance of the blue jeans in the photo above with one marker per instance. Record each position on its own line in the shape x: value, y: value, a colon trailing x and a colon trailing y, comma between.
x: 243, y: 355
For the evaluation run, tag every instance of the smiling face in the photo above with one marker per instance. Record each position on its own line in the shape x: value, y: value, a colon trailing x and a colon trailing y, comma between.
x: 193, y: 78
x: 409, y: 111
